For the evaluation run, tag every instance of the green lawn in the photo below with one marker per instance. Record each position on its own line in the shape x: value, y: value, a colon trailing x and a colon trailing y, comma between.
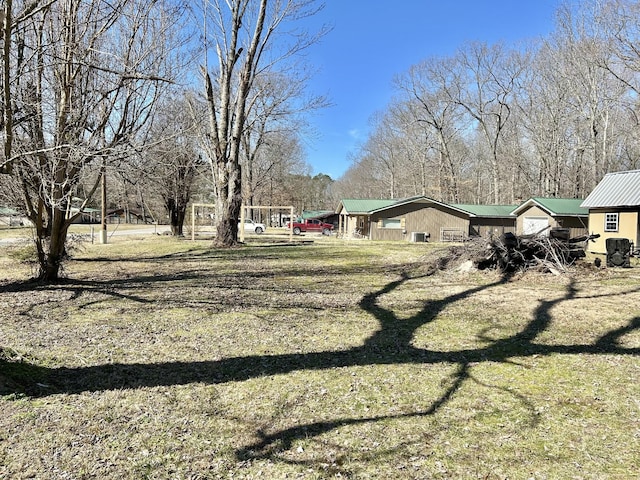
x: 166, y: 359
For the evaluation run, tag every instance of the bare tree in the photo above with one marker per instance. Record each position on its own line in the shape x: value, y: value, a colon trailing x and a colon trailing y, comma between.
x: 487, y: 77
x: 544, y: 114
x: 172, y: 161
x: 425, y: 85
x: 384, y: 146
x: 244, y: 36
x: 619, y: 21
x: 581, y: 43
x: 87, y: 75
x: 499, y: 124
x: 275, y: 116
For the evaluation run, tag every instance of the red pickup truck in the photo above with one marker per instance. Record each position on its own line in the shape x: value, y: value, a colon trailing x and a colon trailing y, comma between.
x: 311, y: 225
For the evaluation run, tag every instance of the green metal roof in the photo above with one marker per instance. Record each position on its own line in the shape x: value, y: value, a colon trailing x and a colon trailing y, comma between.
x: 564, y: 207
x: 486, y: 210
x: 555, y: 206
x: 353, y: 206
x: 368, y: 206
x: 316, y: 213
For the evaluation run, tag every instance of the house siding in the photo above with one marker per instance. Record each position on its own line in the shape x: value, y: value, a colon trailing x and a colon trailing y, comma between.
x: 491, y: 226
x: 577, y: 226
x: 352, y: 225
x: 628, y: 227
x: 418, y: 217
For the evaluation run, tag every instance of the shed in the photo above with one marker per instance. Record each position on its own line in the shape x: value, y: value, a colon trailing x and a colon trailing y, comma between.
x: 128, y: 215
x: 539, y: 215
x: 614, y: 209
x: 88, y: 215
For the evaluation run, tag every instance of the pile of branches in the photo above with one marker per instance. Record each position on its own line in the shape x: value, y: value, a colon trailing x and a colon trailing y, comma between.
x: 510, y: 253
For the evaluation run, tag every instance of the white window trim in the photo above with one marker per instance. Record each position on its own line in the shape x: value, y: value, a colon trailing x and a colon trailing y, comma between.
x: 608, y: 221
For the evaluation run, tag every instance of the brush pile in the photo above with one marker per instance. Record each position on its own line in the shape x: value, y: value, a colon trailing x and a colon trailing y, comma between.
x: 510, y: 253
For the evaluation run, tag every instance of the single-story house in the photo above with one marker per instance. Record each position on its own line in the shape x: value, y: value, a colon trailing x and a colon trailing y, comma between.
x: 12, y: 218
x: 354, y: 216
x: 614, y: 209
x: 539, y: 215
x: 420, y: 218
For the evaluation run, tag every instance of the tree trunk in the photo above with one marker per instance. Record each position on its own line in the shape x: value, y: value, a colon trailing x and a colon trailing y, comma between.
x: 51, y: 236
x: 177, y: 214
x: 228, y: 205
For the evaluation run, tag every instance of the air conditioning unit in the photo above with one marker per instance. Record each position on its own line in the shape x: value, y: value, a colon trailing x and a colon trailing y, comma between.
x: 618, y: 252
x: 418, y: 237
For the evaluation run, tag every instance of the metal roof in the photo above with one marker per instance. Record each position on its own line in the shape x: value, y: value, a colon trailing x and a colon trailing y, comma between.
x: 404, y: 201
x: 365, y: 206
x: 618, y: 189
x: 317, y: 213
x: 556, y: 207
x: 496, y: 211
x: 369, y: 206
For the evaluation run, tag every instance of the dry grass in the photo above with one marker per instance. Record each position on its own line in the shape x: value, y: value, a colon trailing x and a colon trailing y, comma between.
x: 165, y: 359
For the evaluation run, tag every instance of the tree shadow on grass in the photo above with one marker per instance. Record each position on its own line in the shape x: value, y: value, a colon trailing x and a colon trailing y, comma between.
x: 391, y: 344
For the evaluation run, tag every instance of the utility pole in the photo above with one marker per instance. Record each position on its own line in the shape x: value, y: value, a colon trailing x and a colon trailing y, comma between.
x: 103, y: 229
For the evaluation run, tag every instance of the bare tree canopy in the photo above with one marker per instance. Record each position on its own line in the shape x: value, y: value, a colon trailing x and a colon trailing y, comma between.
x: 81, y: 80
x: 497, y: 123
x: 250, y: 40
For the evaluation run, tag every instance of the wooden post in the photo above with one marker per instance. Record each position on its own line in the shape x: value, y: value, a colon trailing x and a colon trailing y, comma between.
x: 291, y: 225
x: 241, y: 227
x: 193, y: 221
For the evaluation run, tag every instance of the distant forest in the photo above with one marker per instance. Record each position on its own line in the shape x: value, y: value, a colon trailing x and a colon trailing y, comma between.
x: 498, y: 123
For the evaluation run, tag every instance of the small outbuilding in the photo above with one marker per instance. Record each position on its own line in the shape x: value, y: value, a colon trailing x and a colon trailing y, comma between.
x: 539, y: 215
x: 614, y: 209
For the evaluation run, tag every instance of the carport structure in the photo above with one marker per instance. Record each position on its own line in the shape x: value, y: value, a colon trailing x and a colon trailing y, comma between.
x: 269, y: 208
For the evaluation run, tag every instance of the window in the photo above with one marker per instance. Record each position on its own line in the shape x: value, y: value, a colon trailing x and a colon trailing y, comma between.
x: 610, y: 222
x: 391, y: 223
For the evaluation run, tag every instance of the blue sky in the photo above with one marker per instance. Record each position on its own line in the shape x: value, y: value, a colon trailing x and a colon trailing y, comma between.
x: 374, y: 40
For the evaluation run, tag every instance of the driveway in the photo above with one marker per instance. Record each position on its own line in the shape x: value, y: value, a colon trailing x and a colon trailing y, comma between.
x: 112, y: 230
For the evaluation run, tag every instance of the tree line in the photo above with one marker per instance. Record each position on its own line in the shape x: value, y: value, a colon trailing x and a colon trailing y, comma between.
x: 496, y: 124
